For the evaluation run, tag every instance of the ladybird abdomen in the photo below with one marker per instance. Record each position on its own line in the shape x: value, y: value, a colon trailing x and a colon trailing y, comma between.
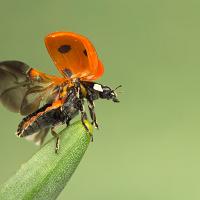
x: 46, y: 119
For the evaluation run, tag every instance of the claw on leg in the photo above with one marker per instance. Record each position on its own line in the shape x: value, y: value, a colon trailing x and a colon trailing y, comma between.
x: 95, y: 124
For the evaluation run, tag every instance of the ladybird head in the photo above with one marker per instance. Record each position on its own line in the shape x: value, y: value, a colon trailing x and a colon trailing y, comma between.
x: 106, y: 92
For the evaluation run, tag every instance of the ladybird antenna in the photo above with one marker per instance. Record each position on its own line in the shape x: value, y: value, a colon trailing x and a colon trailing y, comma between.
x: 117, y: 87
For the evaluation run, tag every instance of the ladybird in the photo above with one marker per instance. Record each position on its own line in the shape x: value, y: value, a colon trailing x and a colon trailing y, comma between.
x: 46, y: 100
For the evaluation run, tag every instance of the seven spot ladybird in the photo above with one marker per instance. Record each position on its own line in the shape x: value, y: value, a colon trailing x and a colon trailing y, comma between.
x: 47, y: 100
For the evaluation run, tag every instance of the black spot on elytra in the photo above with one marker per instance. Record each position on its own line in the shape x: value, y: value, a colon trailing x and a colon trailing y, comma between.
x: 85, y: 52
x: 64, y: 48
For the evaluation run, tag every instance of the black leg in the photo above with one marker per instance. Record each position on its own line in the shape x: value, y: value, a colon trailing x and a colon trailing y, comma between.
x: 92, y: 113
x: 56, y: 135
x: 84, y: 118
x: 68, y: 123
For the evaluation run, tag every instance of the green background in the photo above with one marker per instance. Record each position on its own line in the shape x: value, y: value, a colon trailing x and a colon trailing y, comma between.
x: 148, y: 146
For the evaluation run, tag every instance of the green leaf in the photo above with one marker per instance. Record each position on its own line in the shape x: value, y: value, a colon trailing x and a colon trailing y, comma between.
x: 45, y: 175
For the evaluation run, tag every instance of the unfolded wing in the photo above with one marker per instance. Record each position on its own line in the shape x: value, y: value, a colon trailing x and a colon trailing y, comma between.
x: 22, y: 89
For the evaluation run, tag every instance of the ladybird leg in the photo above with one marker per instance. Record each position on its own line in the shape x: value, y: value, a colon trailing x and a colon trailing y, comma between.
x: 92, y: 113
x: 68, y: 121
x: 56, y: 135
x: 84, y: 118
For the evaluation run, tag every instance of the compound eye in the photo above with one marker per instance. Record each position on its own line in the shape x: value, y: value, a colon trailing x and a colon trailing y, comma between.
x: 106, y: 89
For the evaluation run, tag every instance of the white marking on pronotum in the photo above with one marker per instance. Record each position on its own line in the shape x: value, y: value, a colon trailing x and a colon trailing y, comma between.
x: 98, y: 87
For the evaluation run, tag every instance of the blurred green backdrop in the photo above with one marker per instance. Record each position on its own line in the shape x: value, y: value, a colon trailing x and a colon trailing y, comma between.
x: 148, y: 146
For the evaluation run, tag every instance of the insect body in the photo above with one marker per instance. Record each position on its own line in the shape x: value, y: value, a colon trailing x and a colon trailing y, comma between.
x: 24, y: 89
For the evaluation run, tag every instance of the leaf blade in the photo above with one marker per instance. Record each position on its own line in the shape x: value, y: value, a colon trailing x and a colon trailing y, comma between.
x: 46, y: 173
